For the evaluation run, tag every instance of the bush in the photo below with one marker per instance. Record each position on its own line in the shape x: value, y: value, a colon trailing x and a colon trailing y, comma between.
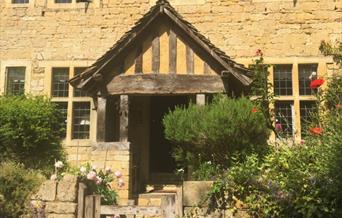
x: 16, y: 185
x: 292, y: 181
x: 30, y: 132
x: 219, y: 132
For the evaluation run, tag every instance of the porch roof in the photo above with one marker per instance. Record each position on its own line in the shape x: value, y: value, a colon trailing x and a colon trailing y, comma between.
x: 92, y: 77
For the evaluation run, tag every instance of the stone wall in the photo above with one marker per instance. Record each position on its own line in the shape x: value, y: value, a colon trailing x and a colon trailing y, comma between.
x: 117, y: 156
x: 281, y: 28
x: 56, y: 199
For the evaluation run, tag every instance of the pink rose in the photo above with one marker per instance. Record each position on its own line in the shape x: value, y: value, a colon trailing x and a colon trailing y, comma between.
x: 91, y: 175
x: 118, y: 174
x: 98, y: 180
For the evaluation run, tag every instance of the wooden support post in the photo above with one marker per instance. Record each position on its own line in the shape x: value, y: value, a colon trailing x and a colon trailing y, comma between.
x: 189, y: 60
x: 89, y: 207
x: 200, y: 99
x: 139, y: 60
x: 156, y: 54
x: 80, y: 200
x: 101, y: 119
x: 97, y: 205
x: 124, y: 118
x: 172, y: 52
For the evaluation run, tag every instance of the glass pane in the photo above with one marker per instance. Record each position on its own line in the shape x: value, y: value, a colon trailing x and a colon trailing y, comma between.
x: 307, y: 73
x: 60, y: 86
x: 308, y: 109
x: 284, y: 118
x: 282, y: 79
x: 20, y: 1
x: 15, y: 81
x: 63, y: 108
x: 81, y: 120
x: 77, y: 92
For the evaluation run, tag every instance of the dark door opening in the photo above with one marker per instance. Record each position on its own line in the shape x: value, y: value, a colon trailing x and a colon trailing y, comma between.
x: 161, y: 160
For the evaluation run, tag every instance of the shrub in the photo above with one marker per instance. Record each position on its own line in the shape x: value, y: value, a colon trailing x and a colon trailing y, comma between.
x: 219, y: 132
x: 292, y: 181
x: 16, y: 185
x: 30, y: 132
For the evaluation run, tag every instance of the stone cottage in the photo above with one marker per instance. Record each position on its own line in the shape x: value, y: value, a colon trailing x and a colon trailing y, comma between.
x: 130, y: 61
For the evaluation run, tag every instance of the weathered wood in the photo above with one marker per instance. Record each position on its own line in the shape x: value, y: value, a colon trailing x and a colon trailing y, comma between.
x: 166, y: 84
x: 131, y: 210
x: 156, y: 54
x: 200, y: 99
x: 139, y: 60
x: 80, y: 200
x: 124, y: 118
x: 244, y: 80
x: 101, y: 119
x: 89, y: 207
x: 206, y: 68
x: 179, y: 202
x: 189, y: 60
x: 97, y: 205
x: 172, y: 52
x: 168, y: 206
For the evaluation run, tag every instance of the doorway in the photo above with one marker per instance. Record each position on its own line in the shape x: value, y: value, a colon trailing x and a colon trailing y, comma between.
x: 162, y: 164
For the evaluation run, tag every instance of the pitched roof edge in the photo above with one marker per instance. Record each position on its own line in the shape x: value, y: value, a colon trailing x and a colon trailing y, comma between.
x: 161, y: 7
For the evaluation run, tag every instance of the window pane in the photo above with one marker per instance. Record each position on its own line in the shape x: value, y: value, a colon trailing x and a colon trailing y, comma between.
x: 62, y: 1
x: 63, y: 108
x: 282, y: 79
x: 307, y: 72
x: 77, y: 92
x: 81, y: 120
x: 15, y: 81
x: 60, y: 86
x: 284, y: 117
x: 20, y: 1
x: 308, y: 109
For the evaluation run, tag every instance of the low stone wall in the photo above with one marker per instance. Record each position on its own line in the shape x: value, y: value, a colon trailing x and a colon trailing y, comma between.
x: 56, y: 199
x: 196, y: 202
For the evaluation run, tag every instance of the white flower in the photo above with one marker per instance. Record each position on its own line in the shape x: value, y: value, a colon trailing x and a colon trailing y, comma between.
x: 83, y: 169
x: 93, y: 167
x: 59, y: 164
x: 118, y: 174
x: 53, y: 177
x: 98, y: 180
x: 91, y: 175
x: 121, y: 183
x: 181, y: 170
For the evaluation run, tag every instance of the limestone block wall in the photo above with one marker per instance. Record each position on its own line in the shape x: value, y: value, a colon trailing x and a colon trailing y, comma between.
x: 56, y: 199
x: 117, y: 156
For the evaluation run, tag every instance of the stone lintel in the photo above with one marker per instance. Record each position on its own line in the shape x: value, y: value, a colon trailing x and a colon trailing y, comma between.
x: 121, y: 146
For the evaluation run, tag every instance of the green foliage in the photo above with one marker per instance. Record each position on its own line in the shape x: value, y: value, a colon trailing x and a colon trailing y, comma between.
x: 334, y: 50
x: 219, y: 132
x: 262, y: 89
x: 98, y: 182
x: 30, y: 132
x: 292, y: 181
x: 16, y: 185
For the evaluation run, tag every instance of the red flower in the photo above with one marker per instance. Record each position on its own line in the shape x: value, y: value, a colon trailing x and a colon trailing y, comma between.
x: 254, y: 110
x: 259, y: 52
x: 278, y: 127
x: 316, y: 83
x: 316, y: 130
